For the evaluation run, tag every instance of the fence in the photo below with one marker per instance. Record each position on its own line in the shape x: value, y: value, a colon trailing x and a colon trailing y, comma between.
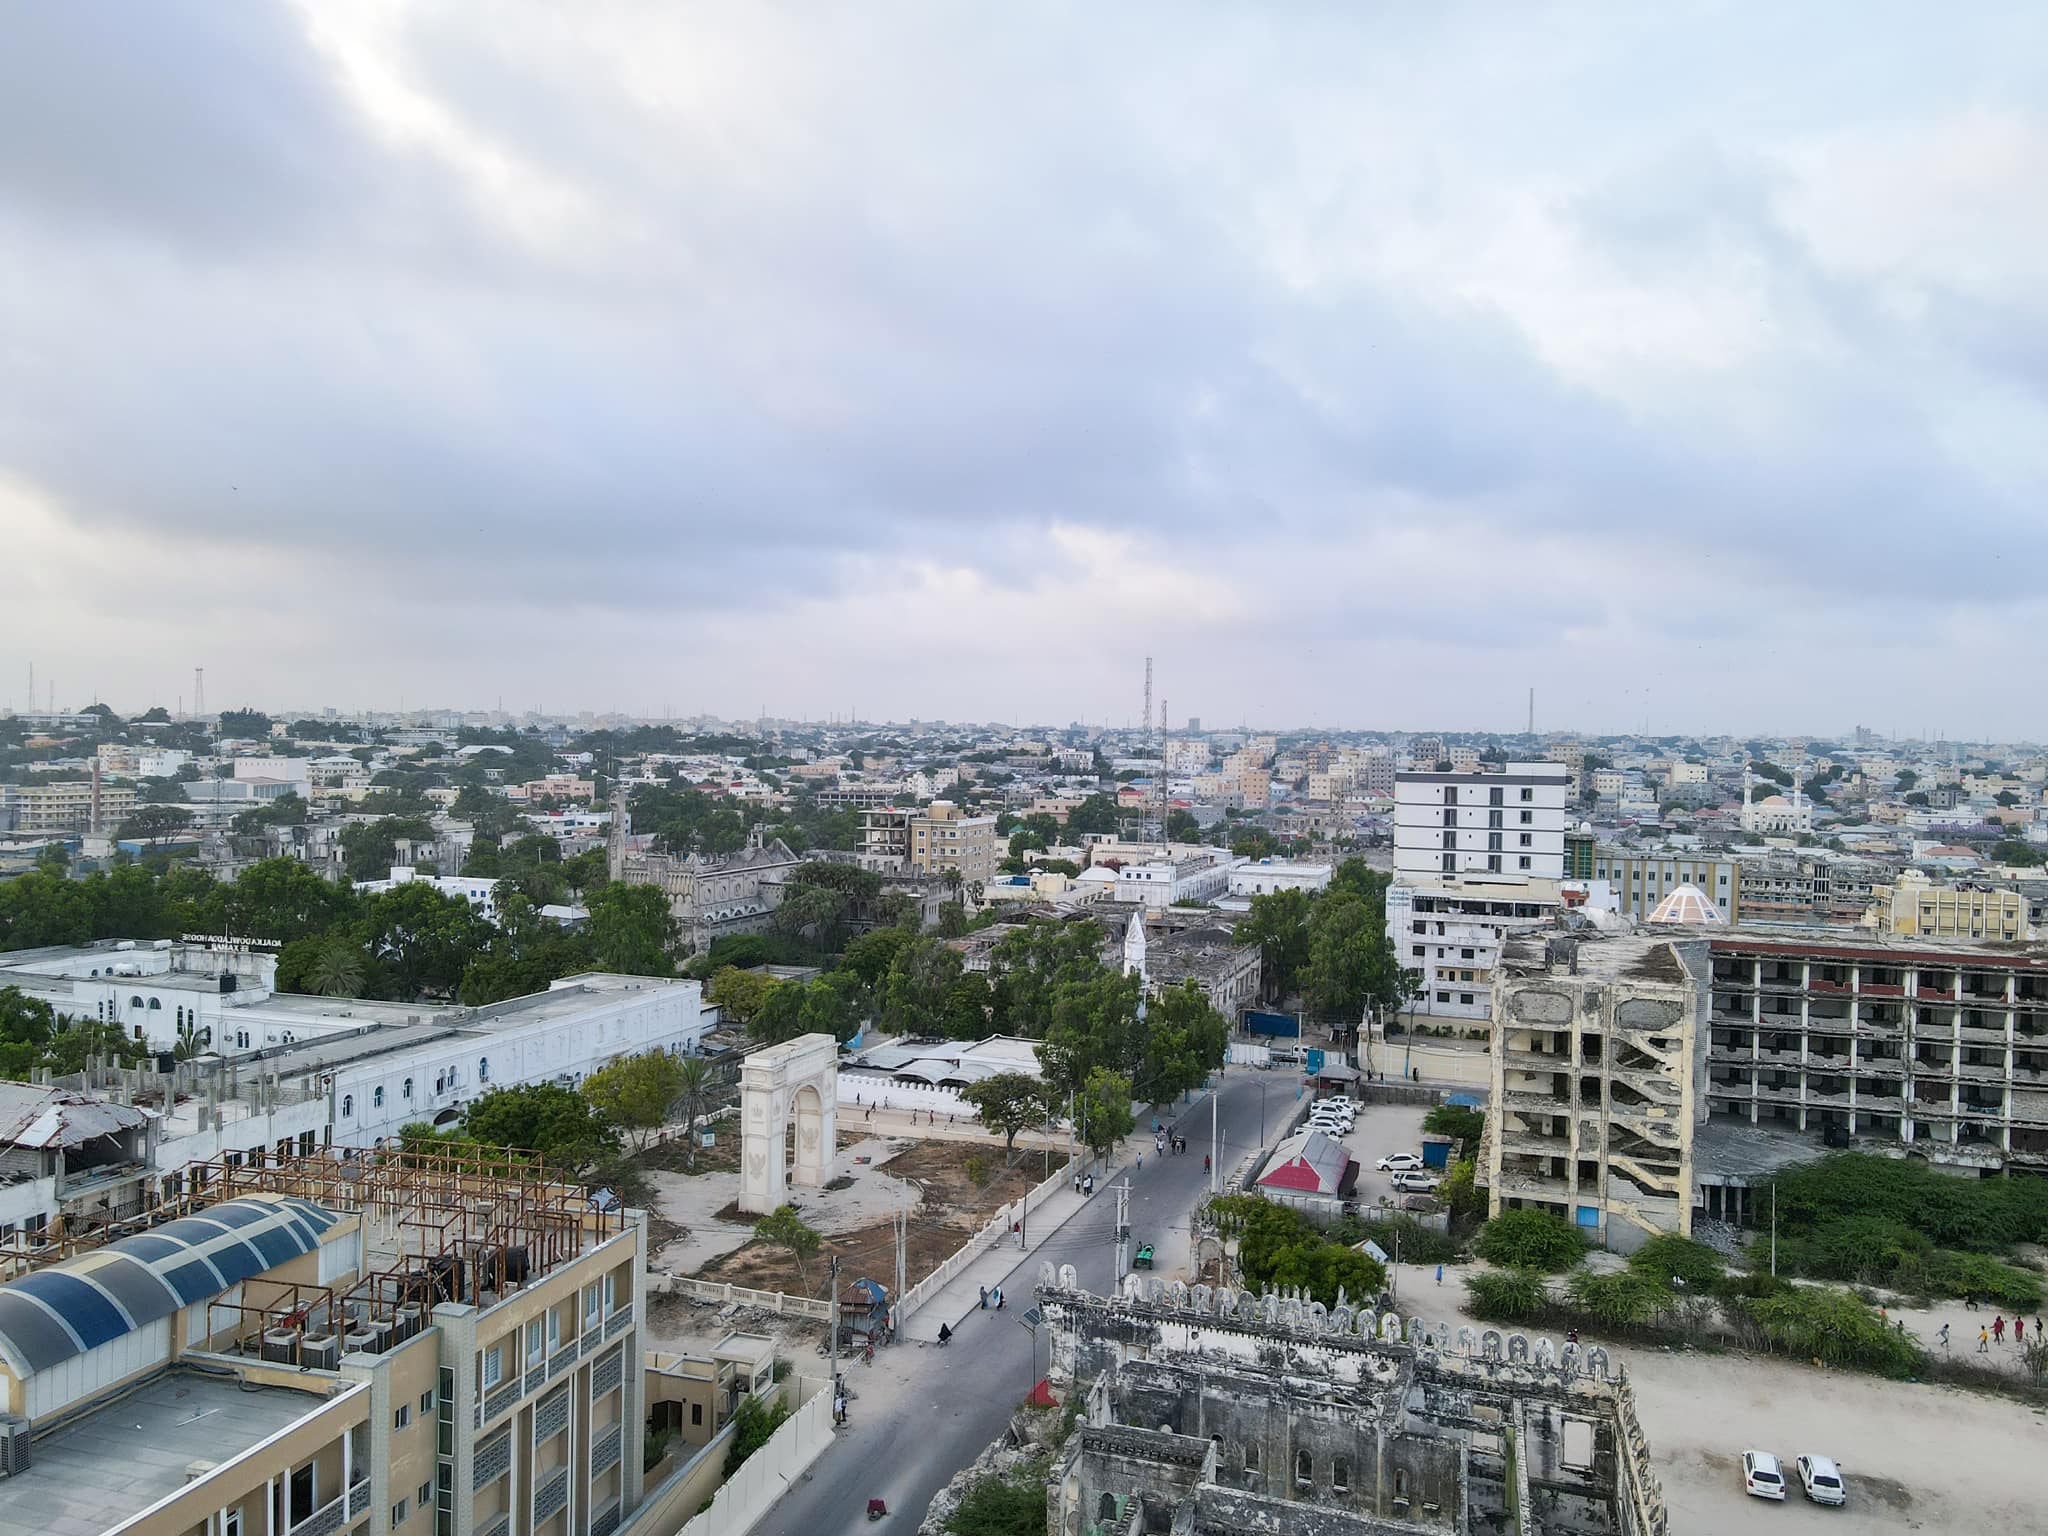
x: 997, y: 1229
x: 746, y: 1296
x: 749, y: 1493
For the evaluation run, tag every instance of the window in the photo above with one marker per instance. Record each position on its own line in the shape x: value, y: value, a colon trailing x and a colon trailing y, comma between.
x: 611, y: 1293
x: 1493, y: 863
x: 402, y: 1416
x: 1523, y: 862
x: 1528, y: 817
x: 377, y: 1098
x: 1450, y: 862
x: 1528, y: 794
x: 406, y: 1090
x: 134, y: 1002
x: 1418, y: 951
x: 398, y: 1512
x: 1400, y: 1477
x: 493, y: 1368
x: 1465, y: 954
x: 426, y: 1407
x: 1340, y: 1475
x: 231, y: 1523
x: 696, y: 1414
x: 593, y: 1303
x: 1527, y: 841
x: 1251, y: 1457
x: 155, y: 1004
x: 554, y: 1329
x: 1304, y: 1469
x: 1465, y: 998
x: 536, y: 1342
x: 423, y: 1495
x: 348, y: 1106
x: 483, y: 1069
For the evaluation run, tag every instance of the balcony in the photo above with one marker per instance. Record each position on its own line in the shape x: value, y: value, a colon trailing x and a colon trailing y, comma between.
x: 329, y: 1517
x: 619, y: 1321
x: 550, y: 1495
x: 604, y: 1450
x: 563, y: 1359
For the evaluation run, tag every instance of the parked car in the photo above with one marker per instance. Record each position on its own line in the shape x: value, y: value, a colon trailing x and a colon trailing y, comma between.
x: 1822, y: 1480
x: 1415, y: 1180
x: 1320, y: 1113
x: 1397, y: 1162
x: 1761, y: 1476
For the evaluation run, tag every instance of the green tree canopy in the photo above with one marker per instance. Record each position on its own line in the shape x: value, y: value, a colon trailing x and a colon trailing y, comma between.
x: 1008, y: 1102
x: 560, y: 1124
x: 636, y: 1093
x: 1102, y: 1111
x: 631, y: 931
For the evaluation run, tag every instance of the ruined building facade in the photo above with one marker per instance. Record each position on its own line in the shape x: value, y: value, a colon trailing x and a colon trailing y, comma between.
x: 1221, y: 1412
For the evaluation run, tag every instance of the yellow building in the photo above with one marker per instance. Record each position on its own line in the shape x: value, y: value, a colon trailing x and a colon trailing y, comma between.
x: 943, y: 838
x: 397, y: 1343
x: 68, y: 806
x: 1918, y: 908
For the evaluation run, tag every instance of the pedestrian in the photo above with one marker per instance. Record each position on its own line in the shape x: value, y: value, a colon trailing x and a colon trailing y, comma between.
x: 2038, y: 1331
x: 1439, y: 1274
x: 2019, y: 1330
x: 1998, y: 1328
x: 1943, y: 1336
x: 1983, y: 1340
x: 1141, y: 1162
x: 984, y: 1298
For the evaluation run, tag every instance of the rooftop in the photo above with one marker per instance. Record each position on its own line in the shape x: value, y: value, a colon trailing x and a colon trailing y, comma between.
x: 104, y: 1468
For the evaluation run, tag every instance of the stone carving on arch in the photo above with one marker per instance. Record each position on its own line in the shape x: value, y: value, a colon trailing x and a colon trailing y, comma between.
x: 1490, y: 1344
x: 1467, y: 1340
x: 1070, y: 1278
x: 1390, y: 1328
x: 1341, y: 1319
x: 1226, y: 1303
x: 1518, y: 1349
x: 1177, y: 1294
x: 1367, y: 1323
x: 1546, y: 1352
x: 1418, y: 1330
x: 1202, y: 1299
x: 1596, y: 1362
x: 1568, y: 1359
x: 799, y: 1080
x: 1318, y: 1317
x: 1132, y: 1287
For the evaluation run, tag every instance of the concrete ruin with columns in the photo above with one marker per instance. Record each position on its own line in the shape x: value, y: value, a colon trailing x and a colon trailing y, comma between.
x: 1216, y: 1411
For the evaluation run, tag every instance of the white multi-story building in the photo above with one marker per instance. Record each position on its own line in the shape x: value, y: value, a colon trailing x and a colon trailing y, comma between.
x: 1265, y: 876
x: 1476, y: 856
x: 1194, y: 877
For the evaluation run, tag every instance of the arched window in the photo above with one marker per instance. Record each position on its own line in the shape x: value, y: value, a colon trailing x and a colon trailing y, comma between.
x: 1340, y: 1475
x: 1400, y: 1485
x: 1251, y: 1456
x: 407, y: 1090
x: 483, y: 1069
x: 348, y: 1106
x: 1303, y: 1470
x: 181, y: 1017
x: 156, y: 1004
x: 134, y: 1002
x: 1106, y: 1513
x: 376, y: 1098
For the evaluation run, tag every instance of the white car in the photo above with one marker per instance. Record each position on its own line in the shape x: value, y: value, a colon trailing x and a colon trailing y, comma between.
x: 1399, y: 1162
x: 1415, y: 1181
x: 1822, y: 1480
x: 1761, y: 1476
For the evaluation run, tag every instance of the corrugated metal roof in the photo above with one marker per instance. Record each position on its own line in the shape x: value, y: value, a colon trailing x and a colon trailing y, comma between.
x: 64, y: 1310
x: 45, y: 1118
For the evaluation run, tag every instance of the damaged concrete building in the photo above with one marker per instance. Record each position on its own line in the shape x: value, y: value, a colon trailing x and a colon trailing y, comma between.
x: 1599, y: 1081
x: 1209, y: 1412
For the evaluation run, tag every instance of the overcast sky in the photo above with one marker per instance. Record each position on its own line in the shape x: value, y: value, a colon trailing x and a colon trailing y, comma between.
x: 1363, y: 364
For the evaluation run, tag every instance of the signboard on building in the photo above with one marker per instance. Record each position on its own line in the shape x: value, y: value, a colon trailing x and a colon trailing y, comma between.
x: 230, y: 944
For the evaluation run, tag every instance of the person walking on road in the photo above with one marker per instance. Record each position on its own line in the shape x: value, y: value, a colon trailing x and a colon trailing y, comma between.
x: 1439, y: 1274
x: 2019, y: 1330
x: 1998, y: 1328
x: 1943, y: 1336
x: 984, y: 1298
x: 1983, y: 1340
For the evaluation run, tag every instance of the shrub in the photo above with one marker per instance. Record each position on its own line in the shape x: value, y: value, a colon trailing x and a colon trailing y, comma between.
x: 1663, y: 1259
x: 1530, y: 1240
x: 977, y: 1170
x: 1620, y: 1300
x: 1416, y: 1243
x: 752, y: 1426
x: 1949, y: 1273
x: 1834, y: 1327
x: 1456, y: 1121
x: 998, y: 1506
x: 1459, y: 1189
x: 1506, y: 1295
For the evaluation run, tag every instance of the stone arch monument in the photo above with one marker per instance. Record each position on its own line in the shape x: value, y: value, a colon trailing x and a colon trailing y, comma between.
x: 799, y: 1080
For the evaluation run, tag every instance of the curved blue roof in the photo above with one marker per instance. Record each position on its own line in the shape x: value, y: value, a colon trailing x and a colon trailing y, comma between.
x: 55, y: 1313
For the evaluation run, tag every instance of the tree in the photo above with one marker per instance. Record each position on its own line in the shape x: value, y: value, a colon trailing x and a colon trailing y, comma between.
x: 193, y: 1038
x: 871, y: 955
x: 1906, y: 779
x: 1029, y: 967
x: 369, y: 847
x: 287, y: 810
x: 1102, y: 1111
x: 1185, y: 1040
x: 740, y: 994
x: 241, y: 724
x: 1181, y: 826
x: 831, y: 1005
x: 1098, y: 813
x: 815, y: 912
x: 755, y: 1421
x: 1457, y: 1122
x: 1673, y: 1258
x: 636, y: 1093
x: 424, y: 939
x: 693, y: 1081
x: 282, y: 899
x: 1007, y: 1102
x: 1350, y: 960
x: 560, y: 1124
x: 164, y: 792
x: 153, y: 823
x: 631, y: 931
x: 1000, y: 1506
x: 783, y: 1228
x: 1506, y: 1295
x: 920, y: 984
x: 1095, y: 1024
x: 1278, y: 924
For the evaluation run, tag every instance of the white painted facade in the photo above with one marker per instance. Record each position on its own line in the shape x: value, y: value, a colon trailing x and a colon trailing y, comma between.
x: 1452, y: 824
x: 1263, y: 877
x: 1159, y: 883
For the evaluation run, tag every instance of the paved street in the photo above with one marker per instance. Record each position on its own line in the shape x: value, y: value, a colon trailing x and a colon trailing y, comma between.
x: 922, y: 1413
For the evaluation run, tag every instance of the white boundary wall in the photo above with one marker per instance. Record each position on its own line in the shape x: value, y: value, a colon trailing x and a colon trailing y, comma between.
x: 767, y: 1474
x: 997, y: 1229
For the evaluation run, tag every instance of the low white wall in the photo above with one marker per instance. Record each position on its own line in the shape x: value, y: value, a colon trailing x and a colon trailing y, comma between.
x: 860, y: 1089
x: 997, y: 1229
x: 768, y: 1473
x: 746, y: 1296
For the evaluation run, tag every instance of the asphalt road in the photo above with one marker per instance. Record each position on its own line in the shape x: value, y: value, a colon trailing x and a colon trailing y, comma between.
x: 904, y: 1439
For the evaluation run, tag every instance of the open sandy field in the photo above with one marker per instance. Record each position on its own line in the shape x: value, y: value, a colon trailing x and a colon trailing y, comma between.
x: 1916, y: 1458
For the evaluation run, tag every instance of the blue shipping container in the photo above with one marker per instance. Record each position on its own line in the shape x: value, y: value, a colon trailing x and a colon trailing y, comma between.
x: 1284, y: 1025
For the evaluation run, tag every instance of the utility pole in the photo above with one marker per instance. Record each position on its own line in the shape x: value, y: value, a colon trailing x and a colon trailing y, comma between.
x: 832, y: 1323
x: 902, y: 1243
x: 1774, y: 1231
x: 1123, y: 1231
x: 1215, y: 1145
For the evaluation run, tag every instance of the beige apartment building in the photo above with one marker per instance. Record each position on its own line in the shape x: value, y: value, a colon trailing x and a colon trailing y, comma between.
x: 944, y: 838
x: 1918, y: 908
x: 1642, y: 877
x: 377, y: 1342
x: 68, y: 807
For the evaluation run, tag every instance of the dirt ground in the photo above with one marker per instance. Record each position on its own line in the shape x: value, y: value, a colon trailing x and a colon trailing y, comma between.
x: 1915, y: 1457
x: 947, y: 1208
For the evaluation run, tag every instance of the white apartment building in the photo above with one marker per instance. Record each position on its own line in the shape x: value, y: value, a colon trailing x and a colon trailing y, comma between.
x: 1193, y: 877
x: 1476, y: 856
x: 1265, y: 876
x: 480, y: 893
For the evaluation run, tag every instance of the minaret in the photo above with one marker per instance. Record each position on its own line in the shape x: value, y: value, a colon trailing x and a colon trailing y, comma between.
x: 1134, y: 947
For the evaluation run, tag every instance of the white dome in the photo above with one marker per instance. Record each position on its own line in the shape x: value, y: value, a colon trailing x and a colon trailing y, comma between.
x: 1686, y: 904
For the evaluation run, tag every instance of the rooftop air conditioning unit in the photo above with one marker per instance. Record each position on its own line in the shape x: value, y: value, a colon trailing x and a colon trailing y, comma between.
x: 195, y: 1470
x: 363, y: 1343
x: 14, y: 1444
x: 409, y: 1321
x: 281, y: 1346
x: 320, y: 1352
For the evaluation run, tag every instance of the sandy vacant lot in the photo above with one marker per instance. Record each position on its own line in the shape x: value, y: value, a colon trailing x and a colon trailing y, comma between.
x: 1917, y: 1458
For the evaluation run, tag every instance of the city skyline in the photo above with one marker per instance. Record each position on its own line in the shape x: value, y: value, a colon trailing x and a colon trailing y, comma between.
x: 1364, y: 370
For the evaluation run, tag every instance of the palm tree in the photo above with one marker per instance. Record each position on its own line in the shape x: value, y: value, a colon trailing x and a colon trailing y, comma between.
x: 693, y: 1077
x: 337, y: 971
x: 192, y: 1039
